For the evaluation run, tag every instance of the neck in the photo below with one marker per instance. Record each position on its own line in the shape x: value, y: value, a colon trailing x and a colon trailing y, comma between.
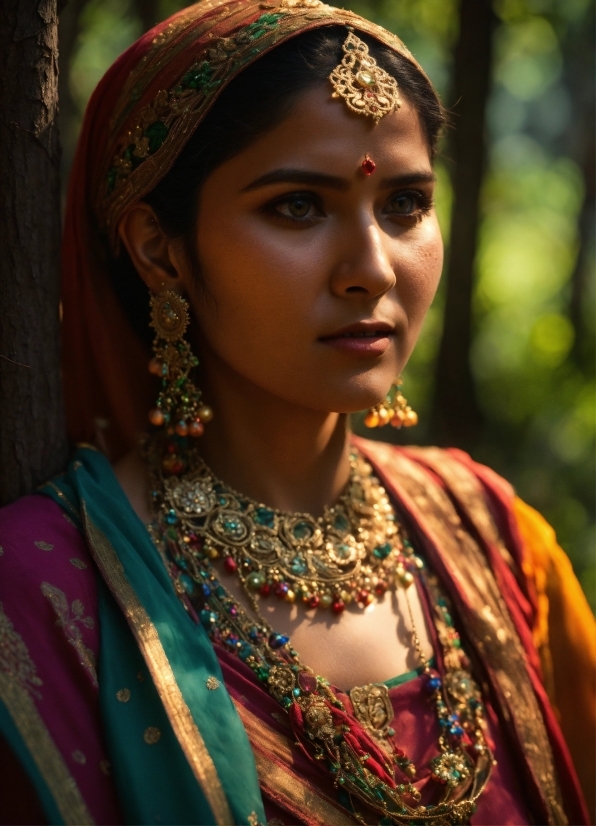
x: 283, y: 455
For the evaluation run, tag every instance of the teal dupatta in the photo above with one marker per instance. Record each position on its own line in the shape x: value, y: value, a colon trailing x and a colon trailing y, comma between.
x: 200, y: 768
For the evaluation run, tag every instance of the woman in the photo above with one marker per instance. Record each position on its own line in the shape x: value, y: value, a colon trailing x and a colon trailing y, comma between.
x: 264, y: 171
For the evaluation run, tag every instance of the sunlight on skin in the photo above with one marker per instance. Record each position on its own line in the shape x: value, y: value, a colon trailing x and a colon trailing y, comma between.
x: 295, y: 244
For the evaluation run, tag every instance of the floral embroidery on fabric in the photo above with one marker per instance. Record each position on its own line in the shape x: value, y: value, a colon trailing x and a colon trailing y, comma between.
x: 68, y: 619
x: 152, y: 735
x: 155, y: 121
x: 14, y: 657
x: 43, y: 546
x: 78, y: 563
x: 295, y: 4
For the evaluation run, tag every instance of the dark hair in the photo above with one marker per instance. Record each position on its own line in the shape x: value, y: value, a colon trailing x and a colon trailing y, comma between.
x: 254, y: 102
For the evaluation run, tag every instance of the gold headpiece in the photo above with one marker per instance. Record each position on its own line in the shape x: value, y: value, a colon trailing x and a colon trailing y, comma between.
x: 359, y: 80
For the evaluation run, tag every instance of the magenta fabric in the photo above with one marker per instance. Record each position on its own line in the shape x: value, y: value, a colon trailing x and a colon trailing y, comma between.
x: 48, y: 595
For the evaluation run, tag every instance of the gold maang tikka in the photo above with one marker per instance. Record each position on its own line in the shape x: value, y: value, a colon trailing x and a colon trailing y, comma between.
x: 179, y: 408
x: 393, y: 410
x: 359, y: 80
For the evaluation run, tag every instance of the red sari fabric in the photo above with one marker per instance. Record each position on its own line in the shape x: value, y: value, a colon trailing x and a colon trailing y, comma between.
x: 49, y: 626
x: 505, y: 556
x: 415, y: 732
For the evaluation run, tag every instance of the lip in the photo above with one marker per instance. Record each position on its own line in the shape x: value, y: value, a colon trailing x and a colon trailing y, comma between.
x: 364, y: 338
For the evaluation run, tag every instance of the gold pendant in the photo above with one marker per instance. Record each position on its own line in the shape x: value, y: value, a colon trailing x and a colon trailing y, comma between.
x: 359, y: 80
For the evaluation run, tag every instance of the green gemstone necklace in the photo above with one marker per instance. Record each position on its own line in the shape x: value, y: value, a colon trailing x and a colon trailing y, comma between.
x: 359, y: 748
x: 350, y: 554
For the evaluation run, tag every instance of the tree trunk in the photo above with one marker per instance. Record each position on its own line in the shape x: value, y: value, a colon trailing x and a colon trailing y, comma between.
x: 578, y: 51
x: 33, y: 444
x: 456, y: 416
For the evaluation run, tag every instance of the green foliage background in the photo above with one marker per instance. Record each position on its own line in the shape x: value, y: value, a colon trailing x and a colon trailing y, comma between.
x: 533, y: 346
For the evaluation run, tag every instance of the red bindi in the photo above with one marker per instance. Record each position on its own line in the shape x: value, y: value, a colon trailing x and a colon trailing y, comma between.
x: 368, y: 165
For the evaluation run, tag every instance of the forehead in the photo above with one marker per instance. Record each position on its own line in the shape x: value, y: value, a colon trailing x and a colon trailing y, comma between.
x: 321, y: 131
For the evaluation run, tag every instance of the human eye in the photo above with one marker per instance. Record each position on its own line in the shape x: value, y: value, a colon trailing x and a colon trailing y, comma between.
x: 409, y: 205
x: 301, y: 209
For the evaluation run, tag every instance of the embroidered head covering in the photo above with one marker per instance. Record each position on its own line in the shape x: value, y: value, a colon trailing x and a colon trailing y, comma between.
x: 138, y: 120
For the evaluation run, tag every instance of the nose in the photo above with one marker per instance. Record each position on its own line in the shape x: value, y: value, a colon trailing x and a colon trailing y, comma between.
x: 365, y: 269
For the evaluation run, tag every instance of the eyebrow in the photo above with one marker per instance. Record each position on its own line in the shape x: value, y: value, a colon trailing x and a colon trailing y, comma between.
x: 422, y: 177
x: 304, y: 176
x: 298, y: 176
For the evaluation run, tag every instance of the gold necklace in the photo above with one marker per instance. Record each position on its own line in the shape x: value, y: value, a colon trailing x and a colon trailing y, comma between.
x: 352, y: 747
x: 351, y: 553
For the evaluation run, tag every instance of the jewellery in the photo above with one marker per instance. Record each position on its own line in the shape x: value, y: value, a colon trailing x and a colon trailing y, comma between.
x: 359, y: 80
x: 368, y: 165
x: 179, y: 401
x: 395, y: 411
x: 364, y: 769
x: 351, y: 553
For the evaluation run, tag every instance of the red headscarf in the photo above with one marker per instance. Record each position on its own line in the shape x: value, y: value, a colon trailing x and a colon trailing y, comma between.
x: 138, y: 119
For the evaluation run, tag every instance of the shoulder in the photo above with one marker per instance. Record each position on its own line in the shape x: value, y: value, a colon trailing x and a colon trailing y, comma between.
x: 450, y: 488
x: 36, y: 538
x: 476, y: 488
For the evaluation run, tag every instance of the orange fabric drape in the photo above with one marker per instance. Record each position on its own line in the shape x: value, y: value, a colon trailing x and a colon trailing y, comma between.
x: 565, y: 634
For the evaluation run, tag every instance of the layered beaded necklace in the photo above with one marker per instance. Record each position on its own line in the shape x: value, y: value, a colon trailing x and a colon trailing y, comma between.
x: 355, y: 551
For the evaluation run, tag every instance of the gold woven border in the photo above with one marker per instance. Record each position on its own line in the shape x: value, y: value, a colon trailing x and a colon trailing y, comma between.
x: 469, y: 492
x: 147, y: 638
x: 488, y: 623
x: 304, y: 801
x: 43, y: 750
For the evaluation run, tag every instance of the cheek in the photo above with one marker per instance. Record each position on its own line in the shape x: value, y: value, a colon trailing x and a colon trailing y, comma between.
x: 261, y: 296
x: 418, y: 274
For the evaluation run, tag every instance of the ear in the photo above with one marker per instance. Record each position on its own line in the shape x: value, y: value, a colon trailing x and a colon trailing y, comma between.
x: 150, y: 249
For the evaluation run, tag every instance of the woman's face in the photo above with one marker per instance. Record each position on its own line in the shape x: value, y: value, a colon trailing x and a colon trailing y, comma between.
x: 320, y: 276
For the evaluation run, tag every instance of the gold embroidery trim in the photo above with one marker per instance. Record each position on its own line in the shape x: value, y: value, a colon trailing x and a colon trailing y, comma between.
x: 67, y: 619
x: 147, y: 638
x: 469, y: 493
x: 282, y: 783
x: 488, y: 623
x: 44, y: 753
x: 63, y: 498
x: 15, y: 660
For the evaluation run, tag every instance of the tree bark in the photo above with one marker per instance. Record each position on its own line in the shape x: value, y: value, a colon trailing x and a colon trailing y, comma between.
x: 33, y: 443
x: 578, y: 51
x: 456, y: 416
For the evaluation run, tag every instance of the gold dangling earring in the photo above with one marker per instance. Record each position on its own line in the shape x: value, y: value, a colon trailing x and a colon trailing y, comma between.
x: 396, y: 411
x: 179, y: 401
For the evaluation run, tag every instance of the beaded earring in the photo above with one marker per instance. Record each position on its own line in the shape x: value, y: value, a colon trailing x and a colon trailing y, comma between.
x: 178, y: 405
x: 394, y: 411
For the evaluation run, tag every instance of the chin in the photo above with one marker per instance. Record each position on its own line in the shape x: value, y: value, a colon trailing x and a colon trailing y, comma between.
x: 356, y: 399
